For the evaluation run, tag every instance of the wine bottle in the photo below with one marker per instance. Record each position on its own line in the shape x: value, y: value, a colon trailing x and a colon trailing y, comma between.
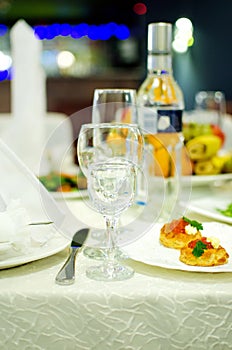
x: 160, y: 100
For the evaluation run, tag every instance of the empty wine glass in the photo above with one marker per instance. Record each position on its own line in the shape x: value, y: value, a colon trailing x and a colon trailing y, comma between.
x: 114, y: 105
x: 211, y: 105
x: 111, y: 187
x: 106, y: 142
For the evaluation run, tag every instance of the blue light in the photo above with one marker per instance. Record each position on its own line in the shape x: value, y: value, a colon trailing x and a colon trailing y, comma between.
x: 122, y: 32
x: 65, y: 29
x: 105, y: 32
x: 40, y: 32
x: 76, y: 32
x: 3, y: 29
x: 93, y: 32
x: 53, y: 31
x: 112, y: 27
x: 50, y: 33
x: 83, y: 29
x: 3, y: 75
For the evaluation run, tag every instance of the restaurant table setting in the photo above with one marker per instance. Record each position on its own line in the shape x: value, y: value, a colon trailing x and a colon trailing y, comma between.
x: 158, y: 307
x: 165, y: 304
x: 52, y: 294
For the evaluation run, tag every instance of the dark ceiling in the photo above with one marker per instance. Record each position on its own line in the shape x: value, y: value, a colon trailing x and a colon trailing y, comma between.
x: 73, y: 11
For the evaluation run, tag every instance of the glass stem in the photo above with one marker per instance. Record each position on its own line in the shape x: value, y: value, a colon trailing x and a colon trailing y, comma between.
x: 111, y: 230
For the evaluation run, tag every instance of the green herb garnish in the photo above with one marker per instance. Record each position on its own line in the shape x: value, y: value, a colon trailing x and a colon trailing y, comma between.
x: 227, y: 211
x: 194, y: 223
x: 198, y: 250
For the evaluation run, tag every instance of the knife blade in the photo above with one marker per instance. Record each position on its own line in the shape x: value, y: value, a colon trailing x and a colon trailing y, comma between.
x: 66, y: 275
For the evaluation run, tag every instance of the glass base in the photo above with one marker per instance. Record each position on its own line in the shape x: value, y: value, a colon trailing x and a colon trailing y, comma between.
x: 115, y: 272
x: 100, y: 254
x: 94, y: 253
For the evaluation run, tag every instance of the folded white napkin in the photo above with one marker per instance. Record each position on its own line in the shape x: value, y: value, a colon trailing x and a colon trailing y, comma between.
x: 18, y: 182
x: 28, y: 95
x: 14, y: 227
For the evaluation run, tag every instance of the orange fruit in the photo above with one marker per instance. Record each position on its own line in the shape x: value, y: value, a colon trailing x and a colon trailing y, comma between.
x: 164, y: 159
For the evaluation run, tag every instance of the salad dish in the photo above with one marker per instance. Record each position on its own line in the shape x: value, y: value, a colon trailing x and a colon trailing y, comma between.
x: 64, y: 185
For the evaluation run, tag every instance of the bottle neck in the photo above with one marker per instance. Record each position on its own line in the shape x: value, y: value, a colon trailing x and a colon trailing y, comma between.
x: 159, y: 63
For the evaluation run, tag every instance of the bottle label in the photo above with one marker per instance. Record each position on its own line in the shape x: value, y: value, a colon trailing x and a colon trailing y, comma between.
x: 148, y: 120
x: 169, y: 120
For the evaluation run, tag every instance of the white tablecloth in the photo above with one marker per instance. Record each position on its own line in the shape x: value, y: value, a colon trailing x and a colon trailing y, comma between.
x: 156, y: 309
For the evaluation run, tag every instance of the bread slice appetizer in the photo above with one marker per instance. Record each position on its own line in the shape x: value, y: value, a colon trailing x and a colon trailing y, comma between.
x: 178, y: 233
x: 205, y: 251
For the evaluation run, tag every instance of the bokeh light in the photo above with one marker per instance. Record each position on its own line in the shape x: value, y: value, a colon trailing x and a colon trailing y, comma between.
x: 3, y: 29
x: 140, y: 8
x: 65, y: 59
x: 183, y: 36
x: 5, y: 61
x: 3, y: 74
x: 93, y: 32
x: 122, y: 32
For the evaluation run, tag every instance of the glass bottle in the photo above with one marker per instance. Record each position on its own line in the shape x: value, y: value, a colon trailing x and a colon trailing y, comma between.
x: 161, y: 100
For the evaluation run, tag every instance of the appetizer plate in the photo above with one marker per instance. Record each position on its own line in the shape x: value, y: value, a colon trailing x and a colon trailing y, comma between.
x: 9, y: 257
x: 208, y: 207
x: 149, y: 251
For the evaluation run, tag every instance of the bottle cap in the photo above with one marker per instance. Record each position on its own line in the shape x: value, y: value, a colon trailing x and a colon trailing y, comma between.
x: 159, y: 37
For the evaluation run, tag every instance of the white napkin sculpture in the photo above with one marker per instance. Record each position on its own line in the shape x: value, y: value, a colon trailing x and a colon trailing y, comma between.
x: 28, y: 96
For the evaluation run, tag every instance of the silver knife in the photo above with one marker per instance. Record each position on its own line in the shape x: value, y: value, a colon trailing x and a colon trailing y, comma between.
x: 66, y: 275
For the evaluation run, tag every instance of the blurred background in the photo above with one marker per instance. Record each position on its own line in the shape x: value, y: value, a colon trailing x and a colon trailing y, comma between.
x: 90, y: 44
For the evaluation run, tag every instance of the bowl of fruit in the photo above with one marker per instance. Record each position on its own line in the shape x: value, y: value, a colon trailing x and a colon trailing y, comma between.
x: 204, y: 145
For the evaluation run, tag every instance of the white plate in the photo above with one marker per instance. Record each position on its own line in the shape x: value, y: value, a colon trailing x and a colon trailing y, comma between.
x: 148, y: 250
x: 70, y: 195
x: 12, y: 258
x: 195, y: 180
x: 208, y: 207
x: 199, y: 180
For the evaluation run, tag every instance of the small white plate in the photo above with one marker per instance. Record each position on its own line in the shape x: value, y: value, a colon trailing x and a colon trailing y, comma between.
x: 148, y: 249
x: 208, y: 207
x: 11, y: 258
x: 200, y: 180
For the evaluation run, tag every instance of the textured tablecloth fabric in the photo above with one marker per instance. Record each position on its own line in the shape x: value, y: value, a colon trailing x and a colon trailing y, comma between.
x: 157, y: 309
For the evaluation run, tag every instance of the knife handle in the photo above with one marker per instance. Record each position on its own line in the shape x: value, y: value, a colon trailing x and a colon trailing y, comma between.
x: 66, y: 275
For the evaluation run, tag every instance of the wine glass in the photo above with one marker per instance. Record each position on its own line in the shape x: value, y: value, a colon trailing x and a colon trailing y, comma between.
x: 211, y: 105
x: 114, y: 105
x: 111, y: 187
x: 107, y: 142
